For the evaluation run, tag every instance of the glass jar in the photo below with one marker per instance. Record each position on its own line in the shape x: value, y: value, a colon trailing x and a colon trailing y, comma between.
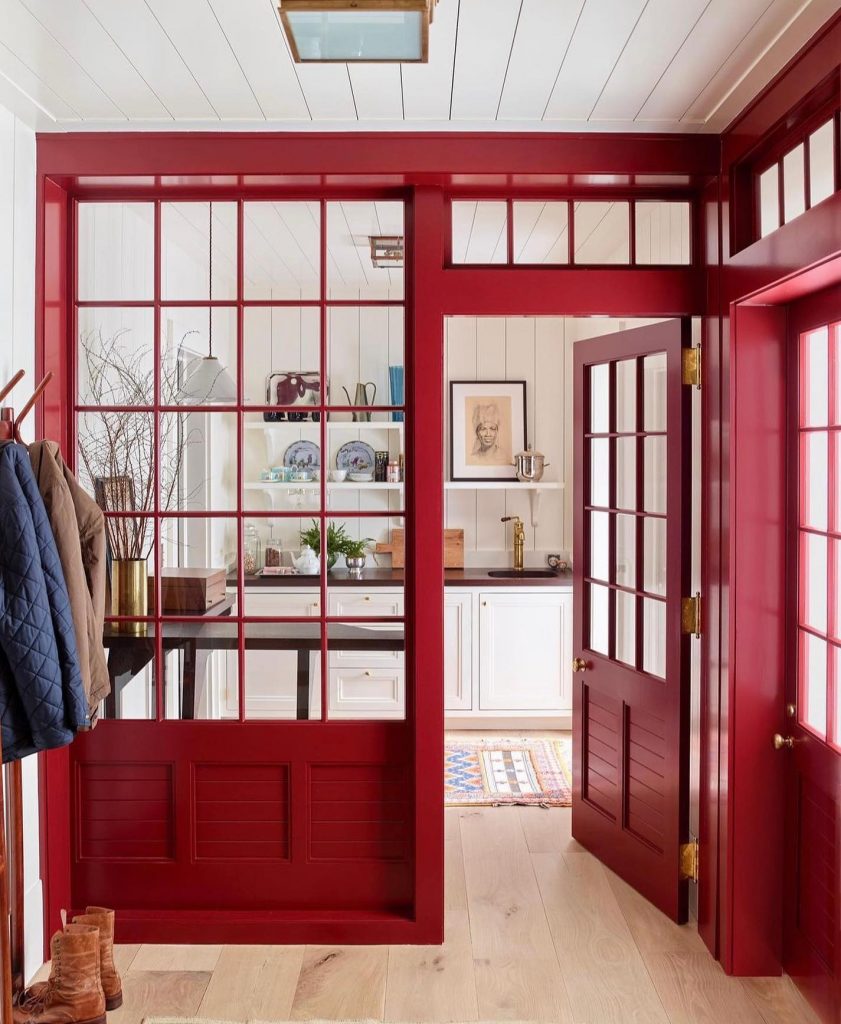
x: 251, y: 550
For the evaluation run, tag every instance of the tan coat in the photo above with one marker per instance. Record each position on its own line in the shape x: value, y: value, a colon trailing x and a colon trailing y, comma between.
x: 79, y: 529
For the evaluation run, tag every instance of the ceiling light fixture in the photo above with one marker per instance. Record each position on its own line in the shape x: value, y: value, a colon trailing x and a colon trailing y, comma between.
x: 386, y: 250
x: 329, y: 31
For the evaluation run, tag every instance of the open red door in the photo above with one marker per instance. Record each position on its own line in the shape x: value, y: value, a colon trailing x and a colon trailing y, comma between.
x: 632, y: 560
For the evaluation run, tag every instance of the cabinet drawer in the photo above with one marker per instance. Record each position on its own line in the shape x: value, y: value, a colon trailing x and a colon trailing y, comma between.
x: 367, y: 693
x: 374, y: 603
x: 363, y: 659
x: 286, y: 605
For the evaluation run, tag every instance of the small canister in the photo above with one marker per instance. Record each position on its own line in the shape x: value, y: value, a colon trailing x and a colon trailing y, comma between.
x: 273, y: 554
x: 394, y: 475
x: 380, y: 467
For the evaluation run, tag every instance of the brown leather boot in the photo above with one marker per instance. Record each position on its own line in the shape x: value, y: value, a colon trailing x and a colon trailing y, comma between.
x: 73, y: 994
x: 103, y: 919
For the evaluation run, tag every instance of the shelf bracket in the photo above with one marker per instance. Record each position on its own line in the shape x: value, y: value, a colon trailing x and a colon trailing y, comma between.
x: 534, y: 502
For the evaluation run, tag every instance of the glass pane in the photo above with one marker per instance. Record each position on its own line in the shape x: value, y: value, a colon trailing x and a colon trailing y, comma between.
x: 283, y: 667
x: 626, y: 472
x: 814, y: 480
x: 602, y: 233
x: 626, y: 551
x: 281, y: 343
x: 835, y: 652
x: 116, y: 356
x: 654, y: 546
x: 116, y: 463
x: 813, y: 574
x: 599, y: 603
x: 198, y: 467
x: 821, y: 159
x: 390, y: 35
x: 367, y: 677
x: 131, y: 669
x: 479, y: 232
x: 281, y: 250
x: 199, y: 567
x: 654, y: 392
x: 282, y: 465
x: 794, y: 183
x: 364, y: 343
x: 116, y: 251
x: 600, y: 545
x: 662, y: 232
x: 626, y: 396
x: 198, y: 355
x: 600, y: 472
x: 813, y: 682
x: 654, y: 636
x: 270, y: 547
x: 365, y: 250
x: 814, y: 378
x: 600, y: 398
x: 201, y: 671
x: 835, y: 627
x: 626, y: 627
x: 357, y: 586
x: 654, y: 488
x: 541, y: 232
x: 187, y: 263
x: 769, y: 200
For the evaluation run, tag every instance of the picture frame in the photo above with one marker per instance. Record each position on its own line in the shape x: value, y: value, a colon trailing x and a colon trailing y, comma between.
x: 487, y: 429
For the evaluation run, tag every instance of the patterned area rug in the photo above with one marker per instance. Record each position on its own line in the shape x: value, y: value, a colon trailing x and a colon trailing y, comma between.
x: 489, y: 773
x: 207, y: 1020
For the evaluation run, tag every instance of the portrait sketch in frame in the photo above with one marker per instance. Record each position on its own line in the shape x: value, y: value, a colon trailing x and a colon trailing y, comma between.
x: 487, y: 428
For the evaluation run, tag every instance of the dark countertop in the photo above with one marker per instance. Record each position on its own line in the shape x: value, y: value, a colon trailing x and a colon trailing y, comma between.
x: 469, y: 577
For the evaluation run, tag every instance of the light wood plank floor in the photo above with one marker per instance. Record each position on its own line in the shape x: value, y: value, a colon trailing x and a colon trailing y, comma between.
x: 537, y: 930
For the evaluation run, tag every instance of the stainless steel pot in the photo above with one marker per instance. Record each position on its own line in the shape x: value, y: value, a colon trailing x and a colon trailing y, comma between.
x: 530, y: 465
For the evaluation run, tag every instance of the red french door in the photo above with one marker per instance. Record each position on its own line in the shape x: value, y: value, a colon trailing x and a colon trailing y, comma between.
x: 631, y: 570
x: 258, y: 771
x: 811, y: 724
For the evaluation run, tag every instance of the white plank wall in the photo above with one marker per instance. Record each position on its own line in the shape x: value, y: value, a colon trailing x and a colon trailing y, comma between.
x: 17, y: 351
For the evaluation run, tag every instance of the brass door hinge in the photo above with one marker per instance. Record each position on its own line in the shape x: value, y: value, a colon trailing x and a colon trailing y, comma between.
x: 692, y: 366
x: 690, y: 615
x: 689, y: 860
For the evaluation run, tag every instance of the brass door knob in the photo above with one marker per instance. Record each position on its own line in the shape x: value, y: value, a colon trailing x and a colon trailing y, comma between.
x: 579, y: 665
x: 782, y: 741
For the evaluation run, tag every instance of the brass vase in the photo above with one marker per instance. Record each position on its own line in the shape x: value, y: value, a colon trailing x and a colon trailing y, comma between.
x: 129, y: 593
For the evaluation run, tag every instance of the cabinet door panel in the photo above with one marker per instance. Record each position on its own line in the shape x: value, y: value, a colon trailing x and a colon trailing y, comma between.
x: 374, y: 603
x: 367, y: 693
x: 289, y: 604
x: 523, y: 660
x: 458, y: 652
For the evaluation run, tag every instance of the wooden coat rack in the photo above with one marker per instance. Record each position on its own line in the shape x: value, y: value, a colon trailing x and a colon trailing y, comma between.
x: 11, y: 819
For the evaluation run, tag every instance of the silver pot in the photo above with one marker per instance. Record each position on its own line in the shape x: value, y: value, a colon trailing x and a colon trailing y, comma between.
x: 355, y: 565
x: 530, y: 465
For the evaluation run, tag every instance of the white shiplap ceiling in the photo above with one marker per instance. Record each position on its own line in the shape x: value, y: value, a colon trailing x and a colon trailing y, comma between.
x: 553, y: 65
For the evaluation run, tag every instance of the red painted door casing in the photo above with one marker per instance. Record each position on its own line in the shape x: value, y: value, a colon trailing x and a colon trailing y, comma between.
x: 631, y: 570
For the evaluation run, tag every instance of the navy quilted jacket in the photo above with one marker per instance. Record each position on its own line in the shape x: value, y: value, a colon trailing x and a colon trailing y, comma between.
x: 42, y: 700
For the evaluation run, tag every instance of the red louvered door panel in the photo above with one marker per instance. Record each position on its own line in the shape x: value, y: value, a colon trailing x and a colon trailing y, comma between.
x: 631, y: 562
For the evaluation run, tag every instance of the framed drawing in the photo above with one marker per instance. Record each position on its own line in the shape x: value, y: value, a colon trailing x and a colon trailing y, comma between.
x: 487, y: 428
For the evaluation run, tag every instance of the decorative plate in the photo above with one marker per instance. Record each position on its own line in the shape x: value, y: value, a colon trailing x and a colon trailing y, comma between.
x: 356, y: 457
x: 302, y: 455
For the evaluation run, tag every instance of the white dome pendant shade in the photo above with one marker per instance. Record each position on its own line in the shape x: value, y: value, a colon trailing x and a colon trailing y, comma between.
x: 207, y: 381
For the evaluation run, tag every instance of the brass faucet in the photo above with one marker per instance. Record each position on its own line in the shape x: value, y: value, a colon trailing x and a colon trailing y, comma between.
x: 519, y: 540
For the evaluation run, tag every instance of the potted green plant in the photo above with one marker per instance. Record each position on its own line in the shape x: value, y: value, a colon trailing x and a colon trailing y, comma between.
x: 338, y: 543
x: 354, y: 552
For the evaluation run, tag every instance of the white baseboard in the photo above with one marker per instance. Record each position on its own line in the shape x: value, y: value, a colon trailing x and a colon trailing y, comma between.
x: 33, y: 916
x: 468, y: 722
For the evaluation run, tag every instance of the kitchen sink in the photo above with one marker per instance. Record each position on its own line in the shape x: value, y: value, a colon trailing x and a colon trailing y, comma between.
x: 523, y: 574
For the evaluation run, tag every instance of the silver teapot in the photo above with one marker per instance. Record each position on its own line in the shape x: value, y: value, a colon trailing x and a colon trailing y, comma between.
x: 530, y: 465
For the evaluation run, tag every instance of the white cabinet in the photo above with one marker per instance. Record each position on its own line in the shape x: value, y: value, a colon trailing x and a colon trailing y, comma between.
x: 524, y: 651
x: 458, y: 650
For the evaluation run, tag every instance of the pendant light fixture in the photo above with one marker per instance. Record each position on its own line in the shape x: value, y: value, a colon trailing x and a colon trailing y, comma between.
x: 326, y: 31
x: 207, y: 381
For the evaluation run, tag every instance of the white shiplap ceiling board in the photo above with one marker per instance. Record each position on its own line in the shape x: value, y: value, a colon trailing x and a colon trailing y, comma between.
x: 546, y: 65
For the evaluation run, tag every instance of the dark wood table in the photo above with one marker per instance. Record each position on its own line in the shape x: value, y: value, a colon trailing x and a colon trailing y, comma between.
x: 130, y: 653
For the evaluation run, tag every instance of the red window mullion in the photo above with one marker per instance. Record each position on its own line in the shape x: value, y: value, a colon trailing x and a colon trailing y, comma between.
x: 240, y: 459
x: 833, y: 339
x: 156, y: 509
x: 322, y: 432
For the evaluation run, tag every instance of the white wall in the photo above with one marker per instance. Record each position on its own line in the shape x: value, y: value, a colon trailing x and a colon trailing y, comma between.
x: 17, y: 350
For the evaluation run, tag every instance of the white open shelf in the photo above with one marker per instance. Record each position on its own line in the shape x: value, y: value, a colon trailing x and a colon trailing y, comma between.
x: 314, y: 485
x: 334, y: 424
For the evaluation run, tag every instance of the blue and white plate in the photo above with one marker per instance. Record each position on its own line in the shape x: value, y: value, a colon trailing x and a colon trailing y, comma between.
x: 302, y: 455
x: 355, y: 457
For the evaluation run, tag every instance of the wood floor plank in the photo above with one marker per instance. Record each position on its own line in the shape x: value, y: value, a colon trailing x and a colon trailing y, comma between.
x: 159, y: 994
x: 549, y: 830
x: 527, y: 988
x: 603, y: 971
x: 778, y: 1001
x: 695, y: 990
x: 176, y: 958
x: 653, y: 932
x: 253, y: 982
x: 338, y: 982
x: 506, y: 910
x: 125, y: 954
x: 433, y: 983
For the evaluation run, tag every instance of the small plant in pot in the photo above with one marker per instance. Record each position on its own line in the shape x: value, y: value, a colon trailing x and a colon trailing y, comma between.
x: 338, y: 543
x: 354, y: 552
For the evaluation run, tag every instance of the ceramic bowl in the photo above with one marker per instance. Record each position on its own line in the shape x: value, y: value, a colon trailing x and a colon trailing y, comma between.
x: 361, y: 478
x: 338, y: 475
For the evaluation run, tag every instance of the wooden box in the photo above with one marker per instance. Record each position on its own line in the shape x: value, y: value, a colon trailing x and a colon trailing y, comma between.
x: 191, y: 591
